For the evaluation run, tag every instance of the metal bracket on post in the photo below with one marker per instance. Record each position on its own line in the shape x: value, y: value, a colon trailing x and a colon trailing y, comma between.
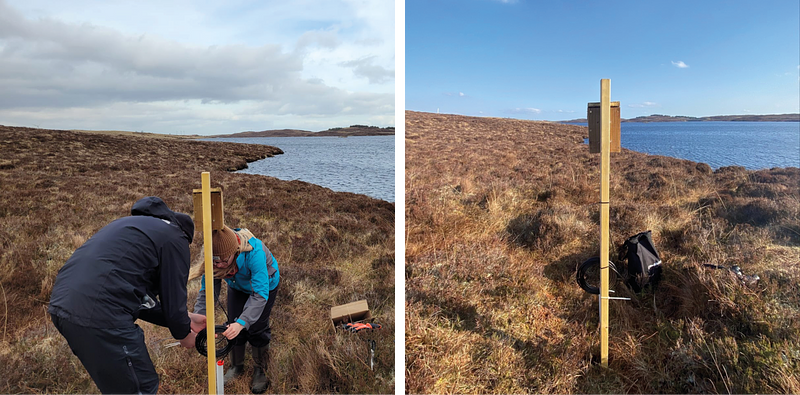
x: 615, y: 298
x: 612, y: 291
x: 610, y: 298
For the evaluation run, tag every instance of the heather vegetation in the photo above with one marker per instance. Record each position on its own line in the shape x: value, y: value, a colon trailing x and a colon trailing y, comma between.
x: 57, y: 188
x: 501, y: 211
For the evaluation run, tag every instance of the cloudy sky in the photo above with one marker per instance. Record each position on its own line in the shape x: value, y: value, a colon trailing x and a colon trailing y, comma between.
x: 536, y: 59
x: 189, y: 67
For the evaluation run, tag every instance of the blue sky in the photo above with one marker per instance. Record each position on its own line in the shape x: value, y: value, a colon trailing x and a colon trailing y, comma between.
x: 197, y: 67
x: 544, y: 59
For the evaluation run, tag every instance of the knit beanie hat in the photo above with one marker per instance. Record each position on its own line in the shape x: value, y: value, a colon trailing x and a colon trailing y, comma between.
x: 224, y: 242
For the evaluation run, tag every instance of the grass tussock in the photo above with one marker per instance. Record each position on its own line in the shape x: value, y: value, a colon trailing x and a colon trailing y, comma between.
x: 499, y: 214
x: 60, y: 187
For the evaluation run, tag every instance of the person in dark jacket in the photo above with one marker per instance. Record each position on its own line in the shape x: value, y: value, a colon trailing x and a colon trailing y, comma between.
x: 136, y: 267
x: 251, y: 272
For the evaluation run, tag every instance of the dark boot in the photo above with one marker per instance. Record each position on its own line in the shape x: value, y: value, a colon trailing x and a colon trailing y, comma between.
x: 260, y: 380
x: 237, y: 364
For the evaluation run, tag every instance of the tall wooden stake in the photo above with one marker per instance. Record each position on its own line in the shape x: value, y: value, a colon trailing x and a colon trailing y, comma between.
x: 605, y: 157
x: 209, y: 270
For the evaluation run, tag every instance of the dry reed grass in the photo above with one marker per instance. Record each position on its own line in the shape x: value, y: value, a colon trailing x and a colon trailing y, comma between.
x: 500, y: 212
x: 57, y: 188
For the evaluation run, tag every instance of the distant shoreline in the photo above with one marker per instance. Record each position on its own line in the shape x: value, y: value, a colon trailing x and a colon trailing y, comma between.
x: 354, y: 130
x: 714, y: 118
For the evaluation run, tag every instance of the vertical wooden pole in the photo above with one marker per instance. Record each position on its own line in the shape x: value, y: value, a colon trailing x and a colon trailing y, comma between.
x: 209, y: 271
x: 605, y: 147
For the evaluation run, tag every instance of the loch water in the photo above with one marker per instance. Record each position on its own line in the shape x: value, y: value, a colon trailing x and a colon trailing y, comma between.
x: 358, y: 164
x: 754, y: 145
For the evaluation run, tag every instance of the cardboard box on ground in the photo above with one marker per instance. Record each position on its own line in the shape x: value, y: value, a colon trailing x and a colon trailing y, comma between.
x: 350, y: 313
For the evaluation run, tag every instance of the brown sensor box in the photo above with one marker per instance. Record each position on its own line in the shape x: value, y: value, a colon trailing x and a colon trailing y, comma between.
x: 351, y: 312
x: 593, y: 118
x: 217, y: 217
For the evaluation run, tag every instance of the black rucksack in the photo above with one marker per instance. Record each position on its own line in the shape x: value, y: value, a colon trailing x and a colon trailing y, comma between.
x: 644, y: 264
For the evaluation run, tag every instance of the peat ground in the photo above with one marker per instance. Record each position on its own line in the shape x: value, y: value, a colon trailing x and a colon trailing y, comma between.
x: 57, y: 188
x: 499, y: 213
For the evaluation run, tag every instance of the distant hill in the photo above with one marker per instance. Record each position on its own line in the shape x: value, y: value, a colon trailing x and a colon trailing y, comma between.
x: 353, y: 130
x: 732, y: 118
x: 269, y: 133
x: 717, y: 118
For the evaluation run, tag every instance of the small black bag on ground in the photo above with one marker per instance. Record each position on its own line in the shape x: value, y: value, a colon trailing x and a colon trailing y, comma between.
x: 644, y: 264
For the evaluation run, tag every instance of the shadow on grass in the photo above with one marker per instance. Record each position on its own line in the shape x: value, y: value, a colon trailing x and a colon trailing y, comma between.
x: 465, y: 317
x: 562, y: 271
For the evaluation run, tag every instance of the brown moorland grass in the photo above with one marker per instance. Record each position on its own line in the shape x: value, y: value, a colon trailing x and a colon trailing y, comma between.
x: 57, y: 188
x: 499, y: 214
x: 140, y: 134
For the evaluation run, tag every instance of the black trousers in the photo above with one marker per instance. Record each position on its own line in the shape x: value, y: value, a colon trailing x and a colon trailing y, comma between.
x: 116, y: 359
x: 259, y: 333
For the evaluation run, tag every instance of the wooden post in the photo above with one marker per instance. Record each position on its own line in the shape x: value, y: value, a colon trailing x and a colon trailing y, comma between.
x: 605, y: 156
x: 209, y: 271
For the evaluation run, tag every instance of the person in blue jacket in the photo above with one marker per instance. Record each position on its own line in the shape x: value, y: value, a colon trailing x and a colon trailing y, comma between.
x: 251, y: 272
x: 136, y: 267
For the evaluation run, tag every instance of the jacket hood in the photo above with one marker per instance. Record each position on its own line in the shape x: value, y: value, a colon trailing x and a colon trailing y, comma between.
x: 153, y: 206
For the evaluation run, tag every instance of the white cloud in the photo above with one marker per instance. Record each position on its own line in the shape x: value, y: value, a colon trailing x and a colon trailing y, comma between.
x: 679, y: 64
x: 643, y: 104
x: 323, y: 39
x: 374, y: 73
x: 461, y: 94
x: 107, y: 68
x: 528, y: 110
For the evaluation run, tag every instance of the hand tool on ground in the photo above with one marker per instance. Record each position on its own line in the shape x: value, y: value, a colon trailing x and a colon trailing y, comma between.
x: 359, y: 326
